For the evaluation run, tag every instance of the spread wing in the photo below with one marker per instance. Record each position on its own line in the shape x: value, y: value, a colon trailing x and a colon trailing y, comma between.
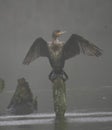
x: 77, y: 44
x: 39, y: 48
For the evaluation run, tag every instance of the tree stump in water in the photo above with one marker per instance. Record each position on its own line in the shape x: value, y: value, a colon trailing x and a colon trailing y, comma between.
x: 59, y: 96
x: 2, y: 85
x: 22, y: 101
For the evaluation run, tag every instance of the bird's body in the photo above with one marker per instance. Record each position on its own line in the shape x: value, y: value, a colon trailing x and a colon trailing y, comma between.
x: 58, y: 51
x: 55, y: 55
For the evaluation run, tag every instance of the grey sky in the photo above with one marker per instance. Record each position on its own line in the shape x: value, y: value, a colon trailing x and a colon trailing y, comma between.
x: 22, y: 21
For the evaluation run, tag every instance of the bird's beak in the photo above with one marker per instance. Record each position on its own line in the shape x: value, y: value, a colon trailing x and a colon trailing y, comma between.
x: 61, y: 32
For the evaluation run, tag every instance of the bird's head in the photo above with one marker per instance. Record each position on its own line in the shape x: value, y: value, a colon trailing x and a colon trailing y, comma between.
x: 57, y: 33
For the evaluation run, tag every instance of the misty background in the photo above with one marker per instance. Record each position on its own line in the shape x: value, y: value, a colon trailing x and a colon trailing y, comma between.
x: 22, y: 21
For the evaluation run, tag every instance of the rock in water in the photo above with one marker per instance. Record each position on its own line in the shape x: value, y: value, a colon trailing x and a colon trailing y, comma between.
x: 22, y: 101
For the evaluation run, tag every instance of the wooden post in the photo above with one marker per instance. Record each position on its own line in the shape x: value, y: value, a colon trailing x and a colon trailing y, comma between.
x: 59, y: 96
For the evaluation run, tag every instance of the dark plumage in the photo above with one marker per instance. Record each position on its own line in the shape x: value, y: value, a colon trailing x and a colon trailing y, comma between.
x: 57, y: 51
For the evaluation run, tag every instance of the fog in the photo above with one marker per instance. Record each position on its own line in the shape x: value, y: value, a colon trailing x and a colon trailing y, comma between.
x: 22, y: 21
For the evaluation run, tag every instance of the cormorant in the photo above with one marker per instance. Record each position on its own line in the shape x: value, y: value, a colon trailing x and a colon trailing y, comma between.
x: 57, y: 51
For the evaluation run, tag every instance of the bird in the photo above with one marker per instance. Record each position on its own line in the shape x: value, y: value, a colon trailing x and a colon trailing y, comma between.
x: 59, y: 51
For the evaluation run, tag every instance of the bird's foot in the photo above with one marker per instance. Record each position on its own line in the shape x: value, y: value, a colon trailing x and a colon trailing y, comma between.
x: 53, y: 75
x: 64, y: 76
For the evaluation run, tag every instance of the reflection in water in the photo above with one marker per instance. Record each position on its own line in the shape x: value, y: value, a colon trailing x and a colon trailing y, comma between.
x: 60, y: 124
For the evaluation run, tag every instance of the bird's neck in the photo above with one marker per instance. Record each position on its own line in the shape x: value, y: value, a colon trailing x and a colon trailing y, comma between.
x: 55, y: 40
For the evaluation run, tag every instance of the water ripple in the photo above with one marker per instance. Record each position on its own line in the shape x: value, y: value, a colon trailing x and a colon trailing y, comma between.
x: 13, y: 120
